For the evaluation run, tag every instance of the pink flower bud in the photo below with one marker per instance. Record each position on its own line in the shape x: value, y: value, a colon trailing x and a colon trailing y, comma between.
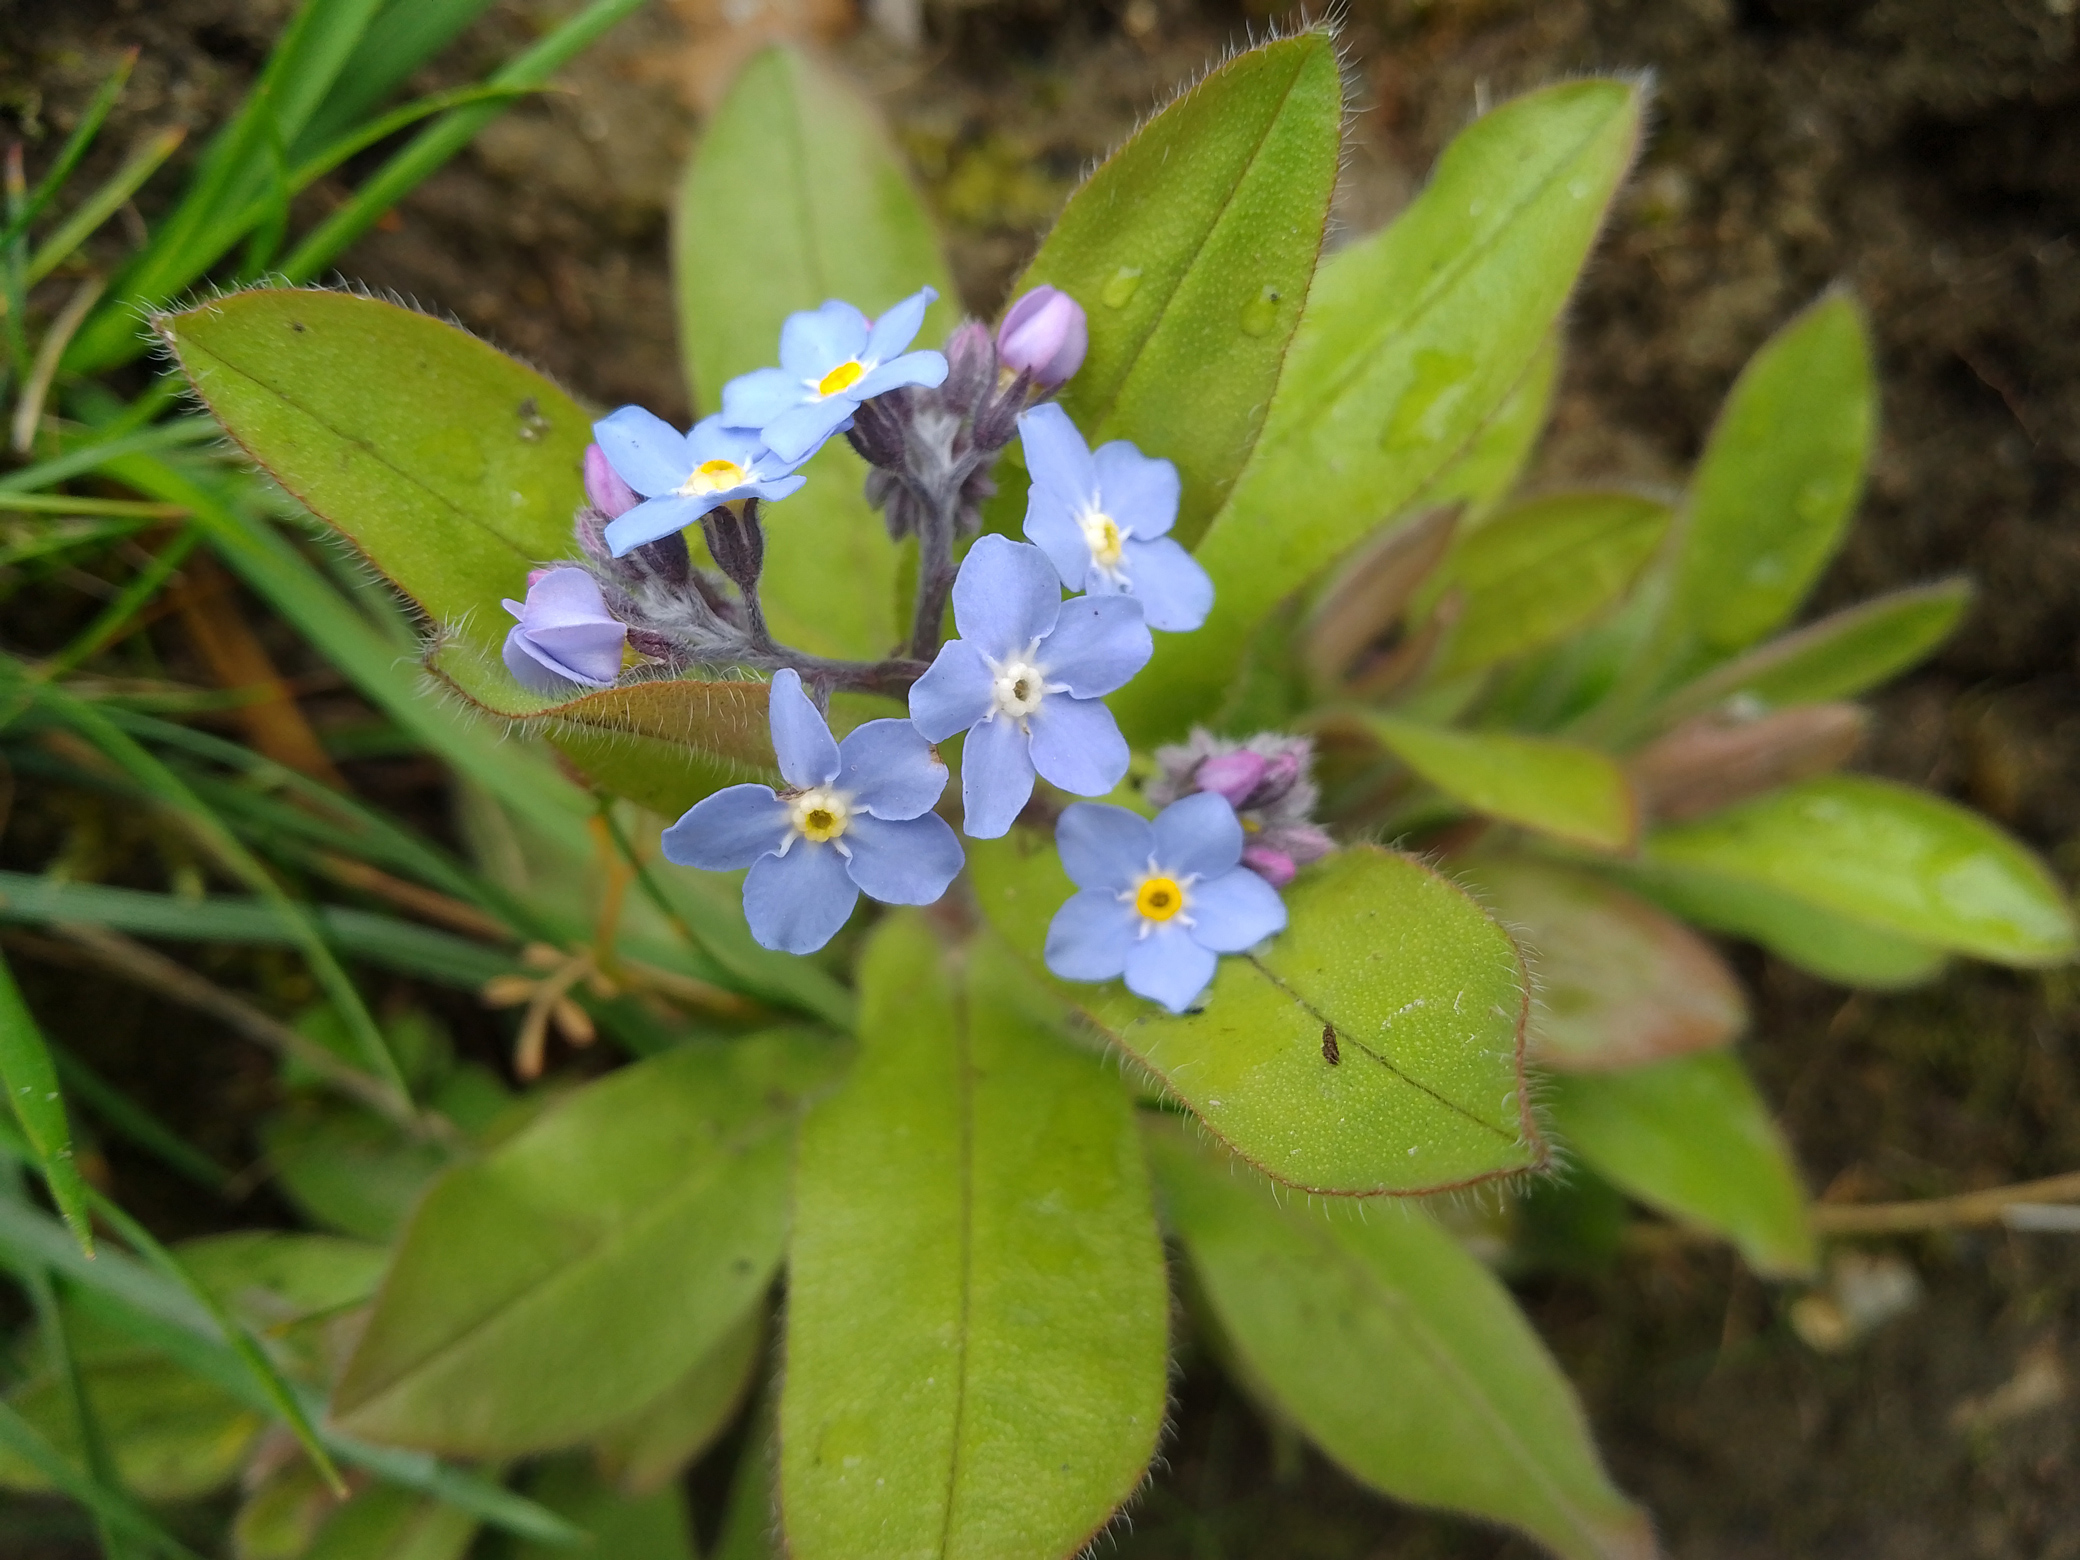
x: 1273, y: 866
x: 603, y: 485
x: 1279, y: 774
x: 1233, y: 775
x: 1046, y: 335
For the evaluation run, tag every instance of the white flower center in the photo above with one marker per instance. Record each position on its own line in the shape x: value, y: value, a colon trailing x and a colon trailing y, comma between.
x: 818, y: 815
x: 1018, y: 683
x: 713, y: 476
x: 1106, y: 540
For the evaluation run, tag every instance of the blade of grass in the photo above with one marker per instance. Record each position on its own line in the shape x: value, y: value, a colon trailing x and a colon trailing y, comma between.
x: 117, y: 1513
x: 404, y: 36
x: 446, y: 136
x: 28, y: 410
x: 64, y: 504
x: 73, y: 150
x: 111, y: 621
x: 95, y: 453
x: 209, y: 832
x: 104, y: 203
x: 121, y: 1290
x: 31, y: 1079
x: 127, y: 1119
x: 14, y: 287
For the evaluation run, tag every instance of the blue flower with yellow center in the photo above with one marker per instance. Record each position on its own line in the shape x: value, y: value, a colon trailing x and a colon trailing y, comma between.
x: 831, y: 359
x: 683, y: 476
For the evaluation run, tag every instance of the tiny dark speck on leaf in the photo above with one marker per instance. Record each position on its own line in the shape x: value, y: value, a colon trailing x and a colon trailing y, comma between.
x: 532, y: 423
x: 1331, y: 1053
x: 297, y: 326
x: 742, y: 1264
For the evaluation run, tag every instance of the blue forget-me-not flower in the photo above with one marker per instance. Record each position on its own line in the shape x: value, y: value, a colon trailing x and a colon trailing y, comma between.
x: 565, y: 634
x: 1158, y: 901
x: 1103, y: 517
x: 683, y: 476
x: 831, y: 359
x: 856, y: 818
x: 1024, y: 680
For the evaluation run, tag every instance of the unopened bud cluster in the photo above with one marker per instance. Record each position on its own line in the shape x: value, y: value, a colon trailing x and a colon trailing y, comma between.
x: 1265, y: 779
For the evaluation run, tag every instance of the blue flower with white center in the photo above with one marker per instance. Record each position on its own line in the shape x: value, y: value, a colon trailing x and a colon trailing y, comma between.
x: 683, y: 476
x: 1024, y: 680
x: 831, y: 359
x: 1103, y: 517
x: 1157, y: 902
x: 856, y: 818
x: 565, y: 634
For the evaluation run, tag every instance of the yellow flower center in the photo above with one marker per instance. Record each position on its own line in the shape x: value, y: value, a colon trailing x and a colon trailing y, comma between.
x: 1102, y: 535
x: 820, y: 814
x: 713, y: 476
x: 843, y: 377
x: 1159, y: 898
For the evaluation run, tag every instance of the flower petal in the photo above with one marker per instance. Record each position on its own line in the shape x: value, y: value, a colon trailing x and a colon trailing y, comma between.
x: 1198, y: 833
x: 903, y: 861
x: 716, y: 438
x: 732, y: 828
x: 647, y: 452
x: 1089, y: 937
x: 556, y: 597
x: 1051, y: 526
x: 1168, y: 967
x: 899, y: 325
x: 773, y: 492
x: 1234, y: 911
x: 1077, y: 745
x: 888, y: 768
x: 953, y: 693
x: 912, y: 368
x: 797, y: 432
x: 532, y: 669
x: 1138, y: 491
x: 1103, y: 847
x: 1098, y: 643
x: 815, y: 341
x: 802, y: 740
x: 651, y: 519
x: 1006, y: 596
x: 1056, y: 455
x: 996, y: 779
x: 1174, y: 592
x: 592, y: 651
x: 797, y: 902
x: 752, y: 400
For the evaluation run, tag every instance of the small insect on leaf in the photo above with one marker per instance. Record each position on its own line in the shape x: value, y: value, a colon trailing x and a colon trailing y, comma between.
x: 1330, y: 1051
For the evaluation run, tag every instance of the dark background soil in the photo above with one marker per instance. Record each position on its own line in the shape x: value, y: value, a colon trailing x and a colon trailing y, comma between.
x: 1925, y: 152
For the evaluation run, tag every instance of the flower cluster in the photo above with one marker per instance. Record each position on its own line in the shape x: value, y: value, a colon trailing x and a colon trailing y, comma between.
x: 1022, y: 681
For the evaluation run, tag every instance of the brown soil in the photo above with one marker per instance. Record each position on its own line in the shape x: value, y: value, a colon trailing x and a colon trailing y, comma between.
x: 1925, y: 152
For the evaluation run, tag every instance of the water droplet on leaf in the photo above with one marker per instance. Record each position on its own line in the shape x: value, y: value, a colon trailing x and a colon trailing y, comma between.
x: 1418, y: 418
x: 1119, y: 292
x: 1260, y: 313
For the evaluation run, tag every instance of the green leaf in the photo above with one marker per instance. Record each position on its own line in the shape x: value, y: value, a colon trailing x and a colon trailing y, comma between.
x: 1191, y: 249
x: 1397, y: 1353
x: 173, y: 1437
x: 976, y: 1305
x: 1412, y: 344
x: 654, y: 1445
x: 1619, y: 983
x: 453, y: 468
x: 651, y: 1207
x: 1691, y: 1137
x: 348, y: 1170
x: 112, y: 1510
x: 655, y: 1526
x: 1563, y: 789
x: 839, y: 219
x: 1899, y: 860
x: 1425, y: 995
x: 1836, y: 658
x: 1776, y: 485
x: 31, y: 1081
x: 1821, y: 944
x: 1484, y: 472
x: 388, y: 1523
x: 1541, y: 570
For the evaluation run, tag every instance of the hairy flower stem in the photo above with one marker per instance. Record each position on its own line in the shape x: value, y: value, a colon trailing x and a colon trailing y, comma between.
x: 935, y: 570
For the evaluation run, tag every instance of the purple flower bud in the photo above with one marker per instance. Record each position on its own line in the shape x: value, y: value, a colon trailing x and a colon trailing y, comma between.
x: 565, y: 634
x: 1280, y: 772
x: 1273, y: 866
x: 1233, y: 775
x: 1046, y: 335
x: 603, y: 485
